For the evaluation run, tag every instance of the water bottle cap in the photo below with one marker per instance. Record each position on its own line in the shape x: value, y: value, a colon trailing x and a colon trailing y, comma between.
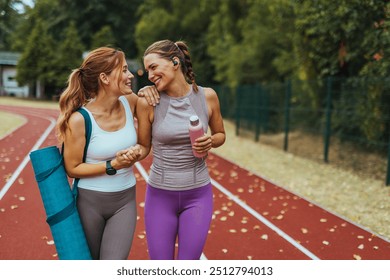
x: 194, y: 120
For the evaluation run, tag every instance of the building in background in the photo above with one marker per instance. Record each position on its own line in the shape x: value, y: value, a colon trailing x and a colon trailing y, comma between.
x: 8, y: 84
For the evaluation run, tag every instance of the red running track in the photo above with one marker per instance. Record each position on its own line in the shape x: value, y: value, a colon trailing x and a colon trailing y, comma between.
x: 253, y: 217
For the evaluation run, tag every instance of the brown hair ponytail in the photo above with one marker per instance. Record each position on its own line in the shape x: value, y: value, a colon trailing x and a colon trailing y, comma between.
x: 83, y: 83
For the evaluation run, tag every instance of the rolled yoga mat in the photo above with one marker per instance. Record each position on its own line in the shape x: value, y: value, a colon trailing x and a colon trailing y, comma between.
x: 60, y: 204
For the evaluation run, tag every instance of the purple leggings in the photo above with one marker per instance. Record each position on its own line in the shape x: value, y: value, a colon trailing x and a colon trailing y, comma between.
x: 183, y: 214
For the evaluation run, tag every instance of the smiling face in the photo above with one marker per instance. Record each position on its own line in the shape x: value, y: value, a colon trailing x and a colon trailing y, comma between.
x: 160, y: 71
x: 122, y: 78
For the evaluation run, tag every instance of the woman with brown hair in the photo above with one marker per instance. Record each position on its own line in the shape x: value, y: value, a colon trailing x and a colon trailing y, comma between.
x: 106, y: 189
x: 179, y: 197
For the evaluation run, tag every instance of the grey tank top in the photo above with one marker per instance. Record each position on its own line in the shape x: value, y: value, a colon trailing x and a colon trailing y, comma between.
x: 174, y: 166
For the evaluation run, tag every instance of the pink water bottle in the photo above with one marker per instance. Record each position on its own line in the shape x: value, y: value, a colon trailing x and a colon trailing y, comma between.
x: 196, y: 131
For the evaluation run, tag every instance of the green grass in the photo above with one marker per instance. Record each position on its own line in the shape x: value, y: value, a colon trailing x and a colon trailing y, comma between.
x: 10, y: 121
x: 28, y: 102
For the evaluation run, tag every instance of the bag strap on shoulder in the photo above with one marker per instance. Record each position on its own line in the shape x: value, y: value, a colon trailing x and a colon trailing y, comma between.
x: 88, y: 132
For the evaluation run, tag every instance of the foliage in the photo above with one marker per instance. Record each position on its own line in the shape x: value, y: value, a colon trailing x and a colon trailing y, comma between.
x: 178, y: 20
x: 104, y: 37
x: 34, y: 63
x: 69, y: 56
x: 337, y: 38
x: 8, y: 20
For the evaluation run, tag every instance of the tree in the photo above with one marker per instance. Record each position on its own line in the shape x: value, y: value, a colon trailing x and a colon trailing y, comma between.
x: 178, y: 20
x: 337, y: 38
x: 91, y: 16
x: 35, y: 62
x: 104, y: 37
x: 9, y: 18
x: 69, y: 56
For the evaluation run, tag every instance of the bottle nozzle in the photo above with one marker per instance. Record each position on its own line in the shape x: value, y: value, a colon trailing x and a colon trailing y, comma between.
x: 194, y: 120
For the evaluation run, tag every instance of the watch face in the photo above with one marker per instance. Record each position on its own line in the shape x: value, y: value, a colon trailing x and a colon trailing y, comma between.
x: 110, y: 171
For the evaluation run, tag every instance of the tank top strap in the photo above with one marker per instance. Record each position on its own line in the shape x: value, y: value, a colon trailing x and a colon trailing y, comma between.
x: 198, y: 101
x: 161, y: 110
x: 126, y: 105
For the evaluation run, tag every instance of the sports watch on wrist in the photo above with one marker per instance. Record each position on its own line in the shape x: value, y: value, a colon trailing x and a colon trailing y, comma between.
x: 109, y: 169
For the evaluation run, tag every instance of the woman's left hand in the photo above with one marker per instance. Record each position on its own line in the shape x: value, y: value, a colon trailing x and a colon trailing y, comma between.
x: 203, y: 144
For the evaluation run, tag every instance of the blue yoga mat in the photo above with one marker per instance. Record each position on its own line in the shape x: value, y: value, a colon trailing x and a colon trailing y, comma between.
x: 60, y: 204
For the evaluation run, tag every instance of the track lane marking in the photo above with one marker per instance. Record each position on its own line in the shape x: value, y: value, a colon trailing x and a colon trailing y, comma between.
x: 262, y: 219
x: 250, y: 211
x: 26, y: 159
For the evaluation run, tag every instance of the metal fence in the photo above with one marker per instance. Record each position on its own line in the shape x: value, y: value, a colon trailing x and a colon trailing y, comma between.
x: 354, y: 112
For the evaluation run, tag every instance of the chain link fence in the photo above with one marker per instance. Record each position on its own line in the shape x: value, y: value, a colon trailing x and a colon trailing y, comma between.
x: 340, y: 118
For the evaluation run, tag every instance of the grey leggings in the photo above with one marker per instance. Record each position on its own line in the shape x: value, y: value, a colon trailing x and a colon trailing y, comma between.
x: 108, y: 219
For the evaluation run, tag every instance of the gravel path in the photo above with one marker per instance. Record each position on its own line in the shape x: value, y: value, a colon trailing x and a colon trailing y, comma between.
x: 359, y: 200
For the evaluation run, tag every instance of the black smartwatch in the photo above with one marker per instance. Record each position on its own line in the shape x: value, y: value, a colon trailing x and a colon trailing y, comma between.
x: 109, y: 169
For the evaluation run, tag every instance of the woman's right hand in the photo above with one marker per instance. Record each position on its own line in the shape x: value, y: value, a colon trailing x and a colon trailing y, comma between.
x: 151, y: 94
x: 126, y: 158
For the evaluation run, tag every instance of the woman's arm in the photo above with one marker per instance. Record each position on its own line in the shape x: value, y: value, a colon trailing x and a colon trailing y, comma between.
x: 217, y: 128
x: 145, y: 114
x: 217, y: 137
x: 150, y: 93
x: 74, y: 144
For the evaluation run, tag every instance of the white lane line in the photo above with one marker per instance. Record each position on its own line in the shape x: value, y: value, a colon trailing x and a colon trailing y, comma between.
x: 23, y: 164
x: 264, y: 220
x: 144, y: 174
